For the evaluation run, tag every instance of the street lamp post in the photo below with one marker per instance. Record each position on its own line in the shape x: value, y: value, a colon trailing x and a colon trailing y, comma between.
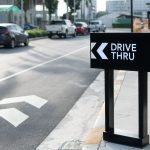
x: 67, y: 15
x: 74, y: 2
x: 131, y: 15
x: 22, y: 13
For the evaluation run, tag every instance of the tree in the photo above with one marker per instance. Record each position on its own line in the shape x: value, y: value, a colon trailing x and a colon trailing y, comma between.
x: 101, y: 13
x: 77, y: 4
x: 51, y: 6
x: 25, y: 6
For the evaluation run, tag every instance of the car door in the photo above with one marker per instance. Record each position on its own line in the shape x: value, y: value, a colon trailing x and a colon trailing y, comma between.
x: 20, y: 34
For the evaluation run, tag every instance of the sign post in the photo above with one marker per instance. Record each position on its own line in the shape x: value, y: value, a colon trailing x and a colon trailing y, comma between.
x: 148, y: 17
x: 123, y: 51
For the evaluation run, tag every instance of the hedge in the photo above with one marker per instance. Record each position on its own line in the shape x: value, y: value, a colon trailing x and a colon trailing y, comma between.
x: 33, y: 33
x: 119, y: 25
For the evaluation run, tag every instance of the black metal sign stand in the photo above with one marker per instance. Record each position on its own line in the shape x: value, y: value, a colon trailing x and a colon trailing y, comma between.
x: 109, y: 134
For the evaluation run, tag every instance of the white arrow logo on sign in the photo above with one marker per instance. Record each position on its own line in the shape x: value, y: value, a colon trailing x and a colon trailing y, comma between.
x: 13, y: 115
x: 100, y: 50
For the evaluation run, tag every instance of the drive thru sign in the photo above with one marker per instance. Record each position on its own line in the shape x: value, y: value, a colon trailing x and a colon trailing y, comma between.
x: 124, y: 51
x: 120, y: 51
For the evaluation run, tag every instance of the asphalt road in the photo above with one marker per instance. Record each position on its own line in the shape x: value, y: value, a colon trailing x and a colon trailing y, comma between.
x: 52, y: 74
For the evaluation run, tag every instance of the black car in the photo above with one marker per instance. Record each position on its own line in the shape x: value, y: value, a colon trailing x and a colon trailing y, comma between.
x: 12, y: 35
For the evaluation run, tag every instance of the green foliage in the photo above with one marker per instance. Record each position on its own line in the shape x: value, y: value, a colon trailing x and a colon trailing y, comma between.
x: 122, y: 23
x: 36, y: 33
x: 101, y: 13
x: 77, y: 4
x: 51, y: 6
x: 25, y: 4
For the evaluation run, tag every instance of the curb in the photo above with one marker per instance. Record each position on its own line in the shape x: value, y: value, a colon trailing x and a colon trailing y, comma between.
x: 95, y: 136
x: 37, y: 38
x: 72, y: 132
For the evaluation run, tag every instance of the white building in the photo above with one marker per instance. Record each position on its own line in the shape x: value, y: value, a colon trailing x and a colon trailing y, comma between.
x: 117, y: 6
x: 87, y: 13
x: 139, y: 6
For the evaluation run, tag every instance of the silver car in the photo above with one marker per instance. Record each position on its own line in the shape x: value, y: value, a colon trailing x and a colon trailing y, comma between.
x: 97, y: 26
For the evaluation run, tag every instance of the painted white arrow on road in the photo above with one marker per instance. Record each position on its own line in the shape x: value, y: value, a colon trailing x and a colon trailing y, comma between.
x: 100, y: 50
x: 13, y: 115
x: 32, y: 100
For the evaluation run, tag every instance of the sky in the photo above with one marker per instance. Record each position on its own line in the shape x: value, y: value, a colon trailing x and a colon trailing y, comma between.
x: 101, y: 5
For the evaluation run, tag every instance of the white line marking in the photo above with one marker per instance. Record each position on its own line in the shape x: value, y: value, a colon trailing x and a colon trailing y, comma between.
x: 13, y: 116
x: 31, y: 99
x: 41, y: 64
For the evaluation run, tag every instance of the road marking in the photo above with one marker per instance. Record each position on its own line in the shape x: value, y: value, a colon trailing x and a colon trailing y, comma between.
x: 41, y: 64
x: 31, y: 99
x: 13, y: 116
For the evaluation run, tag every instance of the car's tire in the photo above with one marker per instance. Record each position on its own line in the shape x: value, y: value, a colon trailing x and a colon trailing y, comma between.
x: 49, y: 36
x: 60, y: 36
x: 12, y: 44
x: 26, y: 43
x: 66, y: 34
x: 74, y: 34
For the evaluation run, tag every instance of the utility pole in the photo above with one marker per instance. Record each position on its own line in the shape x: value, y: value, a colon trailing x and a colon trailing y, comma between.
x: 67, y: 15
x: 74, y: 2
x: 22, y: 13
x: 44, y: 14
x: 131, y: 15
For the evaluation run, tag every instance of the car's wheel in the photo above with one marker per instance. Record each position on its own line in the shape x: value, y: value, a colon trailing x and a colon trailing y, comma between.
x: 60, y: 36
x: 49, y: 36
x: 12, y: 43
x: 74, y: 34
x: 26, y: 43
x: 66, y: 34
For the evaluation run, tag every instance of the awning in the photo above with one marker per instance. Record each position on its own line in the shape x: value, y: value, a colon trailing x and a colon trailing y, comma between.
x: 9, y: 8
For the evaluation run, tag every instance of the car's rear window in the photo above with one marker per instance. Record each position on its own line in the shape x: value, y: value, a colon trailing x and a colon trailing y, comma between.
x: 78, y: 24
x: 93, y: 22
x: 58, y: 22
x: 2, y: 30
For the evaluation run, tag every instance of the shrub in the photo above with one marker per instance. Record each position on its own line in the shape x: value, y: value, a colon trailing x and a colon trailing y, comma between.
x: 119, y: 25
x: 36, y: 33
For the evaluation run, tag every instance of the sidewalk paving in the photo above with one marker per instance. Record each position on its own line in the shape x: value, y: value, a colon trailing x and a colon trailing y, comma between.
x: 126, y: 112
x: 88, y: 114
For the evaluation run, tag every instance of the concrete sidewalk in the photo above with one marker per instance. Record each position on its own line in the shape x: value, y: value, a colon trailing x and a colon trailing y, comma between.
x: 82, y: 128
x: 126, y: 112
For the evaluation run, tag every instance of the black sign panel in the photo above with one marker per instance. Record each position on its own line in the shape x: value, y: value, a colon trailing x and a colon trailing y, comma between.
x: 124, y: 51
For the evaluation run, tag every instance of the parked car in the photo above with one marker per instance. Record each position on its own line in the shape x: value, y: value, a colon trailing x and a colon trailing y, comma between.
x: 12, y: 35
x: 81, y: 28
x: 28, y: 26
x: 96, y: 26
x: 62, y: 27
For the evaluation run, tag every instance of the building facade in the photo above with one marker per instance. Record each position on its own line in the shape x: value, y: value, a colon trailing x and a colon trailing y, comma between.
x: 7, y: 2
x: 139, y: 6
x: 117, y: 6
x: 87, y: 12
